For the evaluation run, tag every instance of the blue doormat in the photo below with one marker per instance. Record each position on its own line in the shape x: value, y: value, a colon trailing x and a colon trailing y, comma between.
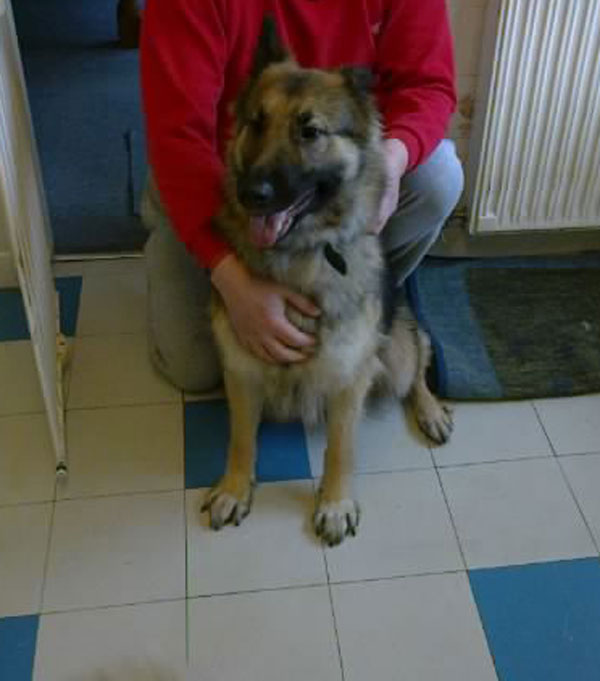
x: 511, y: 328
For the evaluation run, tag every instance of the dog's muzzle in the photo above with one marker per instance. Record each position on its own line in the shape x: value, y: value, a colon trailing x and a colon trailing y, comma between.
x: 267, y: 230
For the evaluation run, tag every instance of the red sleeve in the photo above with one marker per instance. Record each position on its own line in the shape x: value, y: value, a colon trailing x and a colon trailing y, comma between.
x: 183, y: 57
x: 416, y: 72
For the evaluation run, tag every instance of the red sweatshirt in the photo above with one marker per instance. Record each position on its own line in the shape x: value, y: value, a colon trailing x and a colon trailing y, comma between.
x: 196, y: 54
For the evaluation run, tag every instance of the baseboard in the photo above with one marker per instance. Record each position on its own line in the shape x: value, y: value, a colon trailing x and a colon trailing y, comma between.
x: 456, y: 242
x: 8, y: 273
x: 87, y: 257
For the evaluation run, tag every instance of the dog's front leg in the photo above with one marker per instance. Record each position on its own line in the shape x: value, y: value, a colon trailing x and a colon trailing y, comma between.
x: 337, y: 513
x: 230, y: 500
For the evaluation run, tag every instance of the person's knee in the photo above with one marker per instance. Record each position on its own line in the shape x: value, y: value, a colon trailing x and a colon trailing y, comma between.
x: 152, y: 211
x: 439, y: 183
x: 192, y: 367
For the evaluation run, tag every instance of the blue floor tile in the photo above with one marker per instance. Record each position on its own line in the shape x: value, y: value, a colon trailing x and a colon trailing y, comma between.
x: 18, y: 637
x: 69, y: 289
x: 13, y: 321
x: 282, y: 451
x: 542, y: 621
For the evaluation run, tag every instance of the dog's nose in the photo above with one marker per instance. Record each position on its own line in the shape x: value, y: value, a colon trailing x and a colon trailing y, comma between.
x: 260, y: 193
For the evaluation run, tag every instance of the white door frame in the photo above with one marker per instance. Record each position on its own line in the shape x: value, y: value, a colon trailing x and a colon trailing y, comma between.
x: 24, y: 213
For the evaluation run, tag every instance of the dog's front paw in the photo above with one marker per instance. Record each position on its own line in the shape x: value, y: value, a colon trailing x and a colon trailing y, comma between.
x: 434, y: 419
x: 228, y: 502
x: 334, y: 520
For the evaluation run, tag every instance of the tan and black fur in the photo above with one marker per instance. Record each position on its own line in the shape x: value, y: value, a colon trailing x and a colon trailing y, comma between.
x: 329, y: 257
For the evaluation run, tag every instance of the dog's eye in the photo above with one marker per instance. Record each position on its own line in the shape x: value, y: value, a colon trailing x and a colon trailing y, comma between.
x: 309, y: 133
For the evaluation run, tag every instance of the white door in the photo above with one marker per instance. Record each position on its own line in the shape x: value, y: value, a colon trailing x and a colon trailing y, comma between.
x: 23, y: 209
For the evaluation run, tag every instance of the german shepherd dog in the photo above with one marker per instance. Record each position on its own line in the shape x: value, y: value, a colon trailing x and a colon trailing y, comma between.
x: 305, y: 179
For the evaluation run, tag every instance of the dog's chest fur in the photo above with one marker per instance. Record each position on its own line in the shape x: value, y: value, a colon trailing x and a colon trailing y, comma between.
x: 347, y: 330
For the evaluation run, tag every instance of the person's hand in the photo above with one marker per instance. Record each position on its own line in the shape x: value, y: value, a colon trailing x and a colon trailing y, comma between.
x: 396, y: 163
x: 256, y: 309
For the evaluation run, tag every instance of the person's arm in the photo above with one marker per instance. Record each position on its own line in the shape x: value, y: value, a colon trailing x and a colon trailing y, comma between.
x: 415, y: 65
x: 183, y: 66
x: 183, y: 60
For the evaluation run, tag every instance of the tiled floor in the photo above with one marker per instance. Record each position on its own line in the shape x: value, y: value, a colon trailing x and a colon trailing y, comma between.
x: 475, y: 561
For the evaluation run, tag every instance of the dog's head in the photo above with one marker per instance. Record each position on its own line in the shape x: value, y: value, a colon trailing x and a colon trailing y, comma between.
x: 300, y: 141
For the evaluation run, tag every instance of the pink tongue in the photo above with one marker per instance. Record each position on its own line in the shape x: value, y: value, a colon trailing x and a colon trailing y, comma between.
x: 264, y: 231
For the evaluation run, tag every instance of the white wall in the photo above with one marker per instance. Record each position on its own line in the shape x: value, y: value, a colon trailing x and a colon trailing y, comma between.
x: 467, y: 17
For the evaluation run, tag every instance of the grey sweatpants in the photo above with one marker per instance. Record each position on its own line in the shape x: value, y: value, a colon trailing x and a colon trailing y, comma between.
x: 181, y: 342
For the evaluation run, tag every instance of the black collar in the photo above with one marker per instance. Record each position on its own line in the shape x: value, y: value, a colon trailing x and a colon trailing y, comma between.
x: 336, y: 259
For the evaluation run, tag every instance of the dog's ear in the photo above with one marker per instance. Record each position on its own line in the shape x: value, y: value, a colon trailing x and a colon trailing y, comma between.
x: 359, y: 79
x: 270, y: 49
x: 359, y: 82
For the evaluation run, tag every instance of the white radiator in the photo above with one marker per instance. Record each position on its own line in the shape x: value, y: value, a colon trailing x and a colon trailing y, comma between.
x: 23, y: 210
x: 535, y: 152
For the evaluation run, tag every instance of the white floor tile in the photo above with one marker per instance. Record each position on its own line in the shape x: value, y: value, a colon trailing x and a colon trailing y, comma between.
x: 116, y: 370
x: 26, y: 459
x: 116, y: 550
x: 273, y: 547
x: 493, y: 432
x: 424, y: 628
x: 23, y: 544
x: 112, y: 304
x: 386, y: 441
x: 405, y: 529
x: 265, y: 636
x: 583, y: 473
x: 514, y: 513
x: 21, y: 392
x: 135, y: 643
x: 573, y: 423
x: 125, y: 449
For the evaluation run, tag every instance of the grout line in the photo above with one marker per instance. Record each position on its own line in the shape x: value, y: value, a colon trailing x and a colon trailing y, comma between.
x: 394, y: 578
x: 119, y: 495
x: 267, y: 589
x: 484, y: 629
x: 19, y: 504
x: 464, y: 560
x: 335, y: 629
x: 132, y: 405
x: 47, y: 556
x: 329, y: 591
x: 412, y: 469
x: 111, y: 606
x: 186, y: 548
x: 574, y: 454
x: 568, y: 482
x: 314, y: 585
x: 120, y: 406
x: 291, y: 587
x: 468, y: 464
x: 294, y: 587
x: 452, y: 522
